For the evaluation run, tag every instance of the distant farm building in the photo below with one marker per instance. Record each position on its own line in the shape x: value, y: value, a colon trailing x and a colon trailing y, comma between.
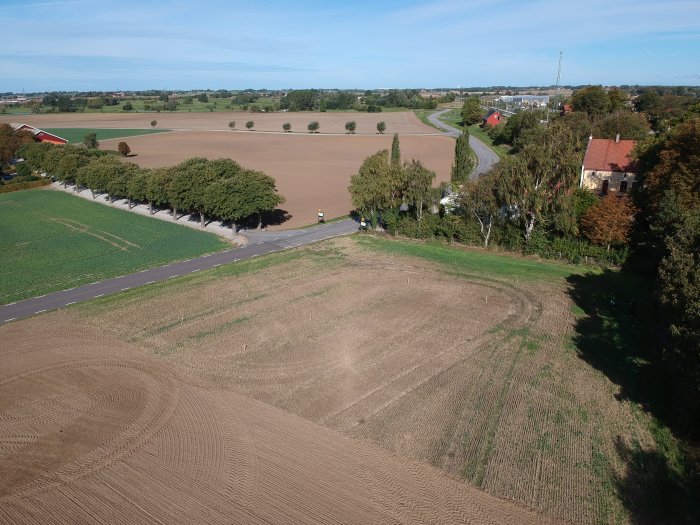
x: 39, y: 134
x: 608, y: 166
x: 492, y: 118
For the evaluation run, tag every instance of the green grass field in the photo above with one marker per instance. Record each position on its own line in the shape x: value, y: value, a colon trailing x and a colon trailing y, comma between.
x: 76, y: 135
x: 51, y: 241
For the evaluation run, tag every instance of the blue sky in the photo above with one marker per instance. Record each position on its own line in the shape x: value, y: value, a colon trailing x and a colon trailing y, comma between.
x: 129, y: 45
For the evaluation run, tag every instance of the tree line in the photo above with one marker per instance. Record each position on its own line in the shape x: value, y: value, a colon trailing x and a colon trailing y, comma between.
x: 531, y: 202
x: 218, y: 189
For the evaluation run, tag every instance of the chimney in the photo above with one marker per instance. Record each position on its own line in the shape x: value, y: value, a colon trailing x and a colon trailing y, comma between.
x: 617, y: 138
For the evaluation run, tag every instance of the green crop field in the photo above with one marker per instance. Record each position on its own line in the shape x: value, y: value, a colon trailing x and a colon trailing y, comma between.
x: 78, y: 134
x: 50, y: 240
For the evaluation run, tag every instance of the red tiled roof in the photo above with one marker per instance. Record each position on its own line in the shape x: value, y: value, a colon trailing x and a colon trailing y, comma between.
x: 608, y: 155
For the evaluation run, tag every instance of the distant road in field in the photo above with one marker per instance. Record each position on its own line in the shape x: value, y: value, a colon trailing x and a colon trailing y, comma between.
x: 487, y: 158
x: 260, y: 243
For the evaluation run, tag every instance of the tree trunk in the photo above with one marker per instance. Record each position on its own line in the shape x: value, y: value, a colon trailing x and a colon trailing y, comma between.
x: 129, y: 201
x: 529, y: 226
x: 259, y: 221
x: 150, y: 208
x: 420, y: 211
x: 201, y: 218
x: 234, y: 229
x: 488, y: 233
x: 174, y: 213
x: 93, y: 193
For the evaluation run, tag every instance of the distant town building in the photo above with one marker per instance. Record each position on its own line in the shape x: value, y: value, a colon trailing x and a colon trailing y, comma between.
x: 608, y: 166
x: 524, y: 101
x: 39, y: 134
x: 492, y: 118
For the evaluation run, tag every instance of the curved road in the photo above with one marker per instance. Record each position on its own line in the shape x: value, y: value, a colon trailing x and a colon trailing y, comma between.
x: 260, y: 243
x: 487, y: 158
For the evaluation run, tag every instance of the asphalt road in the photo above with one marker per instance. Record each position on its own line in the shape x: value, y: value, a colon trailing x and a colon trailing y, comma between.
x: 260, y: 243
x: 487, y: 158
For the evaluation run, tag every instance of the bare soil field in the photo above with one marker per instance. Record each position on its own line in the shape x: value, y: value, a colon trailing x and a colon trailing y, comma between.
x: 470, y: 374
x: 403, y: 122
x: 312, y: 171
x: 92, y: 430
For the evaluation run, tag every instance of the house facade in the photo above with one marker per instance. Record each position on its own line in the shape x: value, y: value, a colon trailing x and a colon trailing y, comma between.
x: 608, y: 166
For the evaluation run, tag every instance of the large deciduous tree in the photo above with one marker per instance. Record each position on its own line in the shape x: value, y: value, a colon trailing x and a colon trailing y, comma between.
x: 471, y: 110
x: 592, y: 100
x: 158, y: 188
x: 417, y: 187
x: 11, y: 141
x: 370, y: 189
x: 529, y: 185
x: 479, y: 201
x: 609, y: 222
x: 190, y: 181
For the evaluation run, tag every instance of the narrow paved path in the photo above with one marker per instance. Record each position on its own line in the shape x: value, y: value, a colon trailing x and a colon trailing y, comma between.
x: 260, y: 243
x: 487, y: 158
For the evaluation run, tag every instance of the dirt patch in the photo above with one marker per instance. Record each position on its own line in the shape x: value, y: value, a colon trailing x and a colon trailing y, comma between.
x: 92, y: 430
x: 396, y: 121
x: 312, y: 171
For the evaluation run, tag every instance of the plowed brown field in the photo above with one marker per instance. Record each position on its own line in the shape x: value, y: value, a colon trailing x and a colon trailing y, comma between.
x: 94, y: 431
x: 472, y: 376
x: 311, y: 172
x: 403, y: 122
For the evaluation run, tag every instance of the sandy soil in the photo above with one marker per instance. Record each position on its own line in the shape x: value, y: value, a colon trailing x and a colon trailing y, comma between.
x: 94, y: 431
x: 396, y: 121
x: 312, y: 171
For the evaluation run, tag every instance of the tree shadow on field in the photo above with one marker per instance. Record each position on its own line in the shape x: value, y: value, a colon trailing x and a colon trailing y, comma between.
x: 274, y: 217
x: 614, y: 333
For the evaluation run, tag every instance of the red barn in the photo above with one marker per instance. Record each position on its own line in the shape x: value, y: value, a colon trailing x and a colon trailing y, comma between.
x: 40, y: 134
x: 492, y: 118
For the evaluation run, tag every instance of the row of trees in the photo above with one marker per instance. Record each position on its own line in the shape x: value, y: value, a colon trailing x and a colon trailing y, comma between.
x: 312, y: 127
x: 316, y: 100
x: 214, y: 189
x: 531, y: 201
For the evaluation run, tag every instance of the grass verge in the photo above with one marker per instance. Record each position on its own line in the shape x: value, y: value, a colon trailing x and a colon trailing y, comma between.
x: 475, y: 263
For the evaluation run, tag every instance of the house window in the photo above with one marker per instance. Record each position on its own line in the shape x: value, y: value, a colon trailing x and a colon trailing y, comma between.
x: 623, y: 186
x: 605, y: 187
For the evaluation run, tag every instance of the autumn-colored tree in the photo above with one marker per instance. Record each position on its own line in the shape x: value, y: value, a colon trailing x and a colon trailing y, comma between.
x: 11, y: 140
x: 609, y: 221
x: 123, y: 148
